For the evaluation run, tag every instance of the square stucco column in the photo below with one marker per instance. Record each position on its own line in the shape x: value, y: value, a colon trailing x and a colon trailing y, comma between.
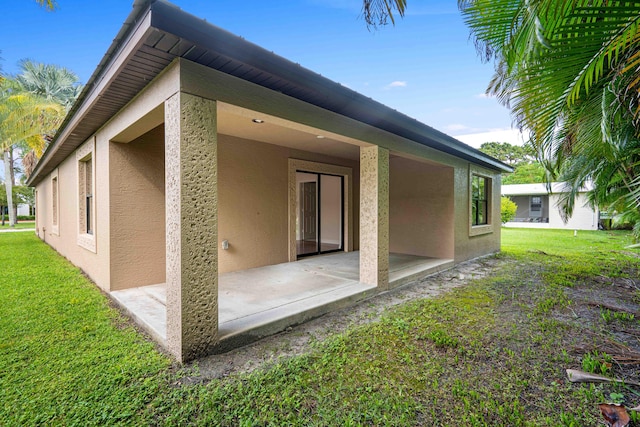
x: 374, y: 216
x: 191, y: 197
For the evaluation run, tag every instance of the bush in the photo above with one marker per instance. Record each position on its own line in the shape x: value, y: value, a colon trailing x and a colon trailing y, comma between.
x: 508, y: 209
x: 26, y: 217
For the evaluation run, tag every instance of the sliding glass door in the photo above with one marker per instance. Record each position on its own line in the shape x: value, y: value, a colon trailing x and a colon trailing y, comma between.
x: 319, y: 213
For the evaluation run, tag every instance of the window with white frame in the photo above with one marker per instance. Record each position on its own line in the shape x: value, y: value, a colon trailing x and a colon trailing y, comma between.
x: 85, y: 172
x: 55, y: 203
x: 85, y: 157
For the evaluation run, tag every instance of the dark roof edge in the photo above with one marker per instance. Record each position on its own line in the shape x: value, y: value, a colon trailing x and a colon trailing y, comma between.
x: 169, y: 17
x: 129, y: 25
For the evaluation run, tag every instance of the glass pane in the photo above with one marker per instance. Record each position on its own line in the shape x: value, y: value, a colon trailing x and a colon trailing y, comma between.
x: 307, y: 213
x: 482, y: 213
x: 330, y: 213
x: 474, y: 213
x: 474, y: 187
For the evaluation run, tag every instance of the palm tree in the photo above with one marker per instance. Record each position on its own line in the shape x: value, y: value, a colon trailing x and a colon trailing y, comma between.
x: 24, y: 117
x: 569, y: 70
x: 52, y: 83
x: 380, y: 12
x: 49, y: 5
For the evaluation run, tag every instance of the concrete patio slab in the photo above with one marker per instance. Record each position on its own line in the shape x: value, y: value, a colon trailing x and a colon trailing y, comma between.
x: 262, y: 301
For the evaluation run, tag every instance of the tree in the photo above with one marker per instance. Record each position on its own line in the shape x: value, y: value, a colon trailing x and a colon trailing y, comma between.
x: 380, y: 12
x: 23, y: 117
x: 510, y: 154
x: 51, y: 82
x: 570, y: 73
x: 526, y: 169
x: 508, y: 209
x: 526, y: 173
x: 32, y: 106
x: 49, y: 5
x: 21, y: 194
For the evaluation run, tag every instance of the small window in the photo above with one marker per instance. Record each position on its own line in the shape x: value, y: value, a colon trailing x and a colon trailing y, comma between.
x: 85, y: 157
x: 479, y: 200
x: 54, y: 199
x: 55, y: 203
x: 536, y: 204
x: 85, y: 169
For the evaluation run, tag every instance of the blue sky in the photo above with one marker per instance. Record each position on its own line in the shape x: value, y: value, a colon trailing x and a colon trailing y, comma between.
x: 425, y: 66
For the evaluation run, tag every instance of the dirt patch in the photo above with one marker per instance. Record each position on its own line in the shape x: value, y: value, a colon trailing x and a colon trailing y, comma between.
x: 298, y: 340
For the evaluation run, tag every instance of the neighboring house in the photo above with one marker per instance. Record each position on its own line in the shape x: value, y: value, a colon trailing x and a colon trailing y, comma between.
x: 24, y: 210
x: 538, y: 207
x: 193, y: 157
x: 21, y: 209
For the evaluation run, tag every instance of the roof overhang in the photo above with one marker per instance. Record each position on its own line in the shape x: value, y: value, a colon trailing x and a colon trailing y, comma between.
x: 157, y: 32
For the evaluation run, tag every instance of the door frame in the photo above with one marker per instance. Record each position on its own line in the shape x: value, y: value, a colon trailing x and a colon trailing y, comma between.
x: 347, y: 214
x: 318, y: 214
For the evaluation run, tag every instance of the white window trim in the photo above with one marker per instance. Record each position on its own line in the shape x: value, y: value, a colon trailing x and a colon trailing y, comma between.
x: 478, y: 230
x: 55, y: 228
x: 86, y: 240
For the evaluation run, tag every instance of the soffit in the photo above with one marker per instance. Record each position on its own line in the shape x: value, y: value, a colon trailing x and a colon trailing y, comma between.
x: 161, y: 32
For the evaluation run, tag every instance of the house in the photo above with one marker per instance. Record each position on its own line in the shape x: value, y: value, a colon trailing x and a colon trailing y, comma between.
x: 206, y: 176
x: 538, y: 207
x: 24, y: 210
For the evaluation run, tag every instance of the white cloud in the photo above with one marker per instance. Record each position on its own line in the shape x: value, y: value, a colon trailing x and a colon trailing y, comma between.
x: 512, y: 136
x: 396, y: 83
x: 456, y: 127
x: 483, y: 96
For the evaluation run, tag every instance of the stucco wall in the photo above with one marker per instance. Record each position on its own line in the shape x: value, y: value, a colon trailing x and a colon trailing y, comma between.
x: 522, y: 202
x: 583, y: 218
x: 420, y: 208
x: 137, y: 211
x: 94, y: 264
x: 469, y: 246
x: 253, y: 201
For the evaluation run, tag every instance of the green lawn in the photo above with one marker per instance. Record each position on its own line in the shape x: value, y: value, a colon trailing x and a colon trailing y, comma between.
x: 19, y: 226
x: 491, y: 353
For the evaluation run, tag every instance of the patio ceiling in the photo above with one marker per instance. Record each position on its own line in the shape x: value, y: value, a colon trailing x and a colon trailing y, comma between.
x: 238, y: 122
x: 157, y: 32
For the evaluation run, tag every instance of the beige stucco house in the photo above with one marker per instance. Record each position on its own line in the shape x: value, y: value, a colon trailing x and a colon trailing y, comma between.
x: 193, y: 156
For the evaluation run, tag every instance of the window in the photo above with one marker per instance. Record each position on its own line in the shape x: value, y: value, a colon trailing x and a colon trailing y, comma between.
x: 479, y: 200
x: 85, y: 157
x: 55, y: 203
x: 85, y: 172
x: 54, y: 198
x: 536, y: 204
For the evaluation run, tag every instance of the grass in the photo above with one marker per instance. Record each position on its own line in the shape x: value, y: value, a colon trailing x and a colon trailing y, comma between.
x: 21, y: 225
x: 491, y: 353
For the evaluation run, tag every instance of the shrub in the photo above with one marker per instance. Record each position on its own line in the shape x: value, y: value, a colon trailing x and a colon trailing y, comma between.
x: 508, y: 209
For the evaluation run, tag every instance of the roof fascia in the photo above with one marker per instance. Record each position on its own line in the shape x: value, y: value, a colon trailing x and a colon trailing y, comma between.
x: 170, y: 18
x: 131, y: 36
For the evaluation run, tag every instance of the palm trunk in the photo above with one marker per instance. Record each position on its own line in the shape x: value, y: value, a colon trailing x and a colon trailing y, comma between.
x: 12, y: 169
x: 9, y: 187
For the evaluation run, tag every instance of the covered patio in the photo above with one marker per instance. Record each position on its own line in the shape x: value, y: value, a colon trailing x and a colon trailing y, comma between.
x: 262, y: 301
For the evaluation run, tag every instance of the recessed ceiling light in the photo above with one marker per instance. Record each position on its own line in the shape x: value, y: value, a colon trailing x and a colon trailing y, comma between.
x: 258, y: 121
x: 320, y: 137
